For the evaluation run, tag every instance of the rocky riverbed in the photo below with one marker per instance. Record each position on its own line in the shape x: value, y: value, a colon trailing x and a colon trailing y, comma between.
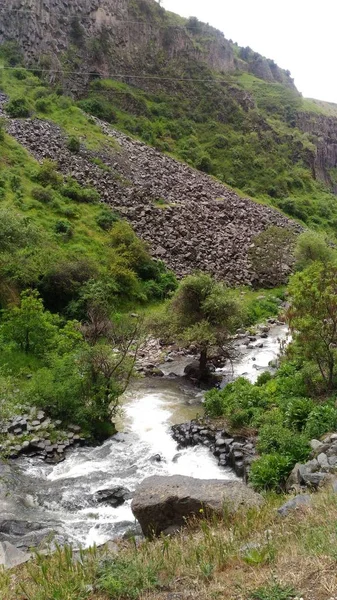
x: 86, y: 498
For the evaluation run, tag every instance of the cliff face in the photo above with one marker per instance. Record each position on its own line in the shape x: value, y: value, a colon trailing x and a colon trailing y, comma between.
x: 136, y: 37
x: 323, y: 131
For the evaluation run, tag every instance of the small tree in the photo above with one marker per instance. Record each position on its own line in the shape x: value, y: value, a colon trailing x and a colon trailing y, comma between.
x: 312, y: 318
x: 204, y: 312
x: 29, y: 326
x: 271, y: 255
x: 311, y: 247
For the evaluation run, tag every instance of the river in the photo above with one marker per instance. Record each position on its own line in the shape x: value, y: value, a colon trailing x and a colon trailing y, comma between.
x: 61, y: 497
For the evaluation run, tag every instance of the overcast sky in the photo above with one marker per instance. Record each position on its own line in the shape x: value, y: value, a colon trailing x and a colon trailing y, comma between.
x: 299, y: 35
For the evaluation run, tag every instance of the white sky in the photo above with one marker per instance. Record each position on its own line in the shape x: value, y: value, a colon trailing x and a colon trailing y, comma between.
x: 299, y: 35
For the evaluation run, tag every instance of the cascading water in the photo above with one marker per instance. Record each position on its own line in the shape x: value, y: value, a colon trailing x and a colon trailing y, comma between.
x: 62, y: 496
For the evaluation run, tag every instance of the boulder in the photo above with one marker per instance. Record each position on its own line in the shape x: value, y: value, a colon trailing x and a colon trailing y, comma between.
x: 10, y: 556
x: 294, y: 503
x: 115, y: 496
x: 166, y: 502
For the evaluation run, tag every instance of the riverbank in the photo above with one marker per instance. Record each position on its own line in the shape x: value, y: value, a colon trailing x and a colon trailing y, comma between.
x: 254, y: 555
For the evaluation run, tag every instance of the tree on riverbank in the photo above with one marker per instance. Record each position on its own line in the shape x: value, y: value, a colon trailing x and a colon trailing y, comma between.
x: 312, y: 318
x: 204, y: 312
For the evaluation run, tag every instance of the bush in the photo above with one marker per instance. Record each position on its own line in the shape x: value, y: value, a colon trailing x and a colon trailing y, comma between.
x: 42, y: 195
x: 74, y: 145
x: 75, y: 191
x: 297, y: 412
x: 204, y: 164
x: 2, y: 129
x: 321, y: 420
x: 311, y: 247
x: 64, y: 227
x: 42, y: 105
x: 106, y: 218
x: 47, y: 174
x: 18, y: 108
x: 269, y: 472
x: 275, y: 438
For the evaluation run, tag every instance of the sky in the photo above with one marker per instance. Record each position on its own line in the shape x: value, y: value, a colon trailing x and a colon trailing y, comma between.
x: 298, y: 35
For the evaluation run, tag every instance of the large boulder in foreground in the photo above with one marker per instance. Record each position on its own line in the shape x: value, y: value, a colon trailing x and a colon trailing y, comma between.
x: 164, y: 503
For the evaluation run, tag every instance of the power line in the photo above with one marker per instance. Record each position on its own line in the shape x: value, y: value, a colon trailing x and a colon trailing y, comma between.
x: 118, y: 75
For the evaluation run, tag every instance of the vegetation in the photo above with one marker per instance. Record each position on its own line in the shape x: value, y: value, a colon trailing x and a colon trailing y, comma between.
x: 297, y: 403
x: 254, y: 555
x: 69, y: 270
x: 204, y: 312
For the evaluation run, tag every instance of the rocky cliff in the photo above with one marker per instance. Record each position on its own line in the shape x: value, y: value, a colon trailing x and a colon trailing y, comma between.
x: 323, y: 130
x: 134, y: 37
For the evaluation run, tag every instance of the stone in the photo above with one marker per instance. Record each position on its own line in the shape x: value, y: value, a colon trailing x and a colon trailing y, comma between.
x: 162, y: 502
x: 322, y: 460
x: 315, y: 445
x: 294, y: 504
x: 114, y: 497
x: 10, y: 556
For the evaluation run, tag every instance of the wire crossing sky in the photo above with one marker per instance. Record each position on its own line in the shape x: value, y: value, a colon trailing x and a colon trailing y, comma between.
x: 298, y: 35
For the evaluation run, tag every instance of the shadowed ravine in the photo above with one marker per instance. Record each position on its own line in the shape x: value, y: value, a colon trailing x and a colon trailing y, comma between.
x: 62, y: 496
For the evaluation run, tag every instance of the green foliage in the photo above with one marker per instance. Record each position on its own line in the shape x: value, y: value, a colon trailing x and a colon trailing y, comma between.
x: 64, y: 227
x: 42, y: 194
x: 18, y: 108
x: 128, y: 579
x: 73, y: 190
x: 74, y: 145
x: 322, y: 419
x: 275, y: 591
x: 47, y: 174
x: 204, y: 312
x: 28, y: 326
x: 270, y: 471
x: 313, y: 318
x: 311, y: 247
x: 106, y: 218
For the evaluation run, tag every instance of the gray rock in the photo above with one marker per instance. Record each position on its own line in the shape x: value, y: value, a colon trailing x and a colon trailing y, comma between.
x: 323, y: 460
x: 10, y: 556
x: 316, y: 444
x: 294, y: 503
x: 162, y: 502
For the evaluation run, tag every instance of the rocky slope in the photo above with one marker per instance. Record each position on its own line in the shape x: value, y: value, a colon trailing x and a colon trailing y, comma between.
x: 190, y: 220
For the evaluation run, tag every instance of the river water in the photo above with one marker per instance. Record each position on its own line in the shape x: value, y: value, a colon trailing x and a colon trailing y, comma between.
x: 62, y: 496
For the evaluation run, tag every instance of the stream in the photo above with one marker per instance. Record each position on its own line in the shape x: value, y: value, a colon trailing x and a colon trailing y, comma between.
x: 61, y: 497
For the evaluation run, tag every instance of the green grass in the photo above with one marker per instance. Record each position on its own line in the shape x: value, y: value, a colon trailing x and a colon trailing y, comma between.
x: 206, y: 560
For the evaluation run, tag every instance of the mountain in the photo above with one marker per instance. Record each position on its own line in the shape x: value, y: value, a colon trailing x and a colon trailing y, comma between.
x: 233, y: 117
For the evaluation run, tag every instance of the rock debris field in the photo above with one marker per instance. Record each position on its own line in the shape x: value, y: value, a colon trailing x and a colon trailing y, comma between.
x: 190, y: 221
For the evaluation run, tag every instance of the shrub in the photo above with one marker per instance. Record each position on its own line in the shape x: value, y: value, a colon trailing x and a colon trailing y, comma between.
x: 321, y: 420
x: 311, y: 247
x: 204, y: 164
x: 98, y: 108
x: 75, y: 191
x: 47, y: 173
x: 74, y: 145
x: 106, y: 218
x: 275, y: 438
x: 269, y: 472
x: 64, y: 227
x: 63, y: 282
x: 18, y: 108
x: 2, y: 129
x: 42, y: 105
x: 297, y: 412
x: 42, y: 194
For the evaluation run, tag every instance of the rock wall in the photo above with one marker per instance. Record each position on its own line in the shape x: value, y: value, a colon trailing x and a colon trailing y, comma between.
x: 323, y: 131
x: 199, y: 223
x: 121, y: 36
